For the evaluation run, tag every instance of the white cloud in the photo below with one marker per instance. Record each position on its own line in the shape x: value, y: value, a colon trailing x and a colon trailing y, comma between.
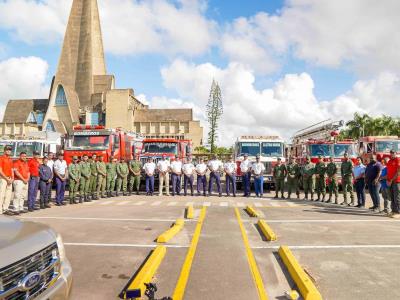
x: 22, y: 78
x: 128, y: 26
x: 286, y: 107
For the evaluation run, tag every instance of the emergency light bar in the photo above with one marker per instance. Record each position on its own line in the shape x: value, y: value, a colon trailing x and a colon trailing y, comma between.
x: 88, y: 127
x: 260, y: 137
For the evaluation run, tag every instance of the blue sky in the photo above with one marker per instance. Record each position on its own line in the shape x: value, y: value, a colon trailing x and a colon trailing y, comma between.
x: 312, y: 54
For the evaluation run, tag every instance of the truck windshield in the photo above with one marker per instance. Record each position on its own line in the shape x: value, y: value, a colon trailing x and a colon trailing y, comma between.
x: 82, y: 142
x: 321, y: 149
x: 340, y: 149
x: 7, y: 143
x: 386, y: 146
x: 252, y: 149
x: 29, y: 148
x: 160, y: 147
x: 271, y: 149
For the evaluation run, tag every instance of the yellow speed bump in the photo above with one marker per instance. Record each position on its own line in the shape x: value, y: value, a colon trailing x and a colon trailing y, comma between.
x: 170, y: 233
x: 303, y: 281
x: 266, y: 230
x: 189, y: 212
x: 137, y: 287
x: 251, y: 211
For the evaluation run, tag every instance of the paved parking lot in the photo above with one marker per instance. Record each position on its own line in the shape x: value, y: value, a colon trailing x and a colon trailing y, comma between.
x: 350, y: 253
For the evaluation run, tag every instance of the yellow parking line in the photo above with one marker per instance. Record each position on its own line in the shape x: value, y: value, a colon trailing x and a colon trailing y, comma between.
x: 184, y: 276
x: 262, y: 294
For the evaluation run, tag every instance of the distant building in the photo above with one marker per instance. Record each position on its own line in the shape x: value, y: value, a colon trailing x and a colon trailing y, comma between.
x: 83, y: 93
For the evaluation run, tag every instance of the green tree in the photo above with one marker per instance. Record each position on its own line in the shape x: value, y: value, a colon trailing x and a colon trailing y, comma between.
x: 214, y: 113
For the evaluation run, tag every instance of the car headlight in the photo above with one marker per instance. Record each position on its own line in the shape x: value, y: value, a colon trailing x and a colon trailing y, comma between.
x: 61, y: 249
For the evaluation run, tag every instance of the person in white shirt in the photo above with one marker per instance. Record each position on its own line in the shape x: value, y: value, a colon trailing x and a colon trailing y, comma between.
x: 230, y: 176
x: 188, y: 177
x: 215, y: 166
x: 163, y: 175
x: 60, y: 171
x: 149, y: 168
x: 245, y: 168
x: 176, y: 168
x: 201, y: 170
x: 258, y: 169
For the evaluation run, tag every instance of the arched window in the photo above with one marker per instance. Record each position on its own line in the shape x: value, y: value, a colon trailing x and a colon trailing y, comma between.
x: 50, y: 126
x: 61, y: 99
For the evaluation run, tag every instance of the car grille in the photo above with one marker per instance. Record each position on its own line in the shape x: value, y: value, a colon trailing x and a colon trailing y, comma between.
x: 46, y: 262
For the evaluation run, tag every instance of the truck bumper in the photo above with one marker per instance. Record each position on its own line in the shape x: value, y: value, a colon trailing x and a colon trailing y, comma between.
x: 61, y: 289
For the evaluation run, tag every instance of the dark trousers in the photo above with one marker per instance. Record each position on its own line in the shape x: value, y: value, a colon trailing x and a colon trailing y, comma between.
x: 60, y: 190
x: 395, y: 197
x: 214, y: 176
x: 201, y: 180
x: 176, y: 184
x: 45, y: 190
x: 230, y: 180
x: 188, y: 180
x: 33, y: 186
x: 360, y: 191
x: 246, y: 183
x: 149, y: 184
x: 374, y: 192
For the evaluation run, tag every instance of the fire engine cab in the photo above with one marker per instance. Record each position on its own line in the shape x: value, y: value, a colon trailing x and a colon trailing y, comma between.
x: 379, y: 145
x: 157, y: 147
x: 268, y: 147
x: 86, y: 139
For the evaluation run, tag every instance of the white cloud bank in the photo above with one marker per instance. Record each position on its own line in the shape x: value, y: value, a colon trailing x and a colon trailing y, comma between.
x: 22, y: 78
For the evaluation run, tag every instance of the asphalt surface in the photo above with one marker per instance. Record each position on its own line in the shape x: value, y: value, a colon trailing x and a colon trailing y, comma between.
x: 350, y: 253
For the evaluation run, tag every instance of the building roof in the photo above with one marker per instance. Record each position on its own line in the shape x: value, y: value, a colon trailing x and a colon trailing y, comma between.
x: 164, y: 115
x: 17, y: 111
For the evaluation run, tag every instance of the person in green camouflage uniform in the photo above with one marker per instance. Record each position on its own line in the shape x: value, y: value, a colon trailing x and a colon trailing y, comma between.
x: 85, y: 179
x: 93, y: 177
x: 74, y: 174
x: 307, y: 173
x: 101, y: 177
x: 111, y: 175
x: 331, y: 171
x: 320, y: 180
x: 347, y: 179
x: 293, y: 171
x: 134, y: 175
x: 279, y: 178
x: 122, y: 177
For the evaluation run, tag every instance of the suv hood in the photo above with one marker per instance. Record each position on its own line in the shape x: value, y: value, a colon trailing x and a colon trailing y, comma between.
x: 19, y: 239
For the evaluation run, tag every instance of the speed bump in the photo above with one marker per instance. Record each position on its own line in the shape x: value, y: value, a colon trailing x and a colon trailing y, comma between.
x: 170, y: 233
x: 251, y: 211
x: 189, y: 212
x: 303, y: 281
x: 136, y: 288
x: 266, y: 230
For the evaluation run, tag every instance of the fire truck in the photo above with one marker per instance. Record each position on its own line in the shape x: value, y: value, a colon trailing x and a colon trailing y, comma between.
x: 87, y: 139
x: 379, y: 145
x: 157, y: 147
x: 268, y: 147
x: 42, y: 142
x: 321, y: 139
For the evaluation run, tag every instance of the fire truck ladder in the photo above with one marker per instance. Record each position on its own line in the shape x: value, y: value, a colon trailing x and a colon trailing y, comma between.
x: 318, y: 131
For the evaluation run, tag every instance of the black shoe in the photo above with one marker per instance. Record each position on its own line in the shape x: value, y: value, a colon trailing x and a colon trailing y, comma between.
x: 372, y: 207
x: 48, y: 206
x: 30, y: 209
x: 228, y: 195
x: 137, y: 193
x: 36, y: 208
x: 234, y: 195
x: 220, y: 195
x: 58, y: 204
x: 276, y: 197
x: 42, y: 206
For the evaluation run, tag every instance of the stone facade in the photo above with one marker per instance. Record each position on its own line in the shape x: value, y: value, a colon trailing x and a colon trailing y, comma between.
x: 83, y: 93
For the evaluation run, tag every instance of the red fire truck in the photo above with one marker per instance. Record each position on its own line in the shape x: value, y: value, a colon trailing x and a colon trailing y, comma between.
x: 379, y: 145
x: 86, y: 139
x: 156, y: 147
x: 321, y: 139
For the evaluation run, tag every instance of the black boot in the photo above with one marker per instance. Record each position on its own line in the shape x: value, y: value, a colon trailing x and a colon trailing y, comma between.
x: 71, y: 200
x: 80, y: 199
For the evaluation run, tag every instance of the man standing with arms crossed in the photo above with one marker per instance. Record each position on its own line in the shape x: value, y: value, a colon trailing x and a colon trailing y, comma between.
x: 215, y: 166
x: 101, y: 178
x: 93, y: 177
x: 33, y: 185
x: 149, y: 168
x: 201, y: 170
x: 60, y: 170
x: 46, y: 176
x: 85, y: 179
x: 230, y: 168
x: 74, y: 172
x: 331, y: 171
x: 307, y: 172
x: 21, y: 178
x: 279, y: 177
x: 188, y: 178
x: 122, y: 177
x: 134, y: 178
x: 393, y: 181
x: 320, y: 170
x: 245, y: 168
x: 163, y: 167
x: 347, y: 179
x: 176, y: 168
x: 293, y: 171
x: 258, y: 169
